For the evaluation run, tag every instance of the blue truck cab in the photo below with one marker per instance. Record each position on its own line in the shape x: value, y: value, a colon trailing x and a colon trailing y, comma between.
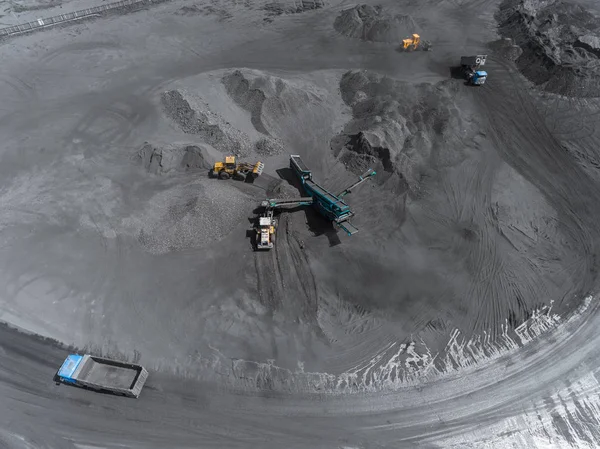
x: 68, y: 368
x: 479, y: 78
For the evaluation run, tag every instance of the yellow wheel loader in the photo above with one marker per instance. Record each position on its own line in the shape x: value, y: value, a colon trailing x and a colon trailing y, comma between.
x: 415, y: 43
x: 237, y: 170
x: 265, y: 230
x: 411, y: 43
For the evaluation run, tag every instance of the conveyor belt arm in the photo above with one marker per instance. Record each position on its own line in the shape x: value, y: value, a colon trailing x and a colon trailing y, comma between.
x: 362, y: 178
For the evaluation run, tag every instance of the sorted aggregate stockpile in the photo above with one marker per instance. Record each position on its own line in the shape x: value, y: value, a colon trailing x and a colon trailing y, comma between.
x: 166, y: 159
x: 396, y: 127
x: 560, y: 43
x: 372, y: 23
x: 272, y: 103
x: 194, y: 117
x: 187, y: 216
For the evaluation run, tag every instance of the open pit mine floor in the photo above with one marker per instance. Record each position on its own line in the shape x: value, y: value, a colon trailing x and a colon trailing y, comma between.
x: 463, y: 314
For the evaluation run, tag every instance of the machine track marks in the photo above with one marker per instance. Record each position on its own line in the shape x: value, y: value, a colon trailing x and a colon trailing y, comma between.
x: 301, y: 277
x: 285, y: 281
x: 269, y: 283
x: 521, y: 136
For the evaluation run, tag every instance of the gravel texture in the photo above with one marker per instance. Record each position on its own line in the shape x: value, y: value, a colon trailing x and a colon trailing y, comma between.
x: 222, y: 14
x: 506, y: 49
x: 160, y: 160
x: 194, y: 117
x: 278, y: 8
x: 395, y: 127
x: 560, y: 44
x: 190, y: 215
x: 372, y: 23
x: 268, y: 146
x: 270, y: 100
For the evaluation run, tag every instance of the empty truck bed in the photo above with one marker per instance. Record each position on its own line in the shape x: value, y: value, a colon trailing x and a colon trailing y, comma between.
x: 107, y: 375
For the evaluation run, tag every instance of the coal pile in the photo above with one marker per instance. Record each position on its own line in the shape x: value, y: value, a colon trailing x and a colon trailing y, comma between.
x: 159, y: 160
x: 268, y: 146
x: 372, y: 23
x: 560, y: 43
x: 397, y: 127
x: 194, y: 117
x: 278, y: 8
x: 506, y: 49
x: 271, y: 101
x: 248, y: 97
x: 192, y: 215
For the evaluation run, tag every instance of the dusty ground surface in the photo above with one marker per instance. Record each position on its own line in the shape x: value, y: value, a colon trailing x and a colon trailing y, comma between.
x: 478, y: 233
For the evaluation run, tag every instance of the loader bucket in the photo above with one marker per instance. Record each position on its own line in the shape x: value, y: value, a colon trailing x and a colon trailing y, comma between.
x: 258, y: 169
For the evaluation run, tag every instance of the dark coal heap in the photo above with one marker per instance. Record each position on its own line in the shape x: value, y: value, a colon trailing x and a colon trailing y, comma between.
x: 372, y: 23
x: 560, y: 43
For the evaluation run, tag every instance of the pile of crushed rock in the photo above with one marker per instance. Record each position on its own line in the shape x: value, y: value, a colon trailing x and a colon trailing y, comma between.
x: 268, y: 146
x: 372, y: 23
x: 194, y: 117
x: 272, y: 102
x: 560, y: 44
x: 189, y: 215
x: 164, y: 159
x: 278, y: 8
x: 397, y: 127
x: 506, y: 48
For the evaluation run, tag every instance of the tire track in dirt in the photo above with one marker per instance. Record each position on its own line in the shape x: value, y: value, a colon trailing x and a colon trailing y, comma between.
x: 269, y: 282
x: 463, y: 228
x: 570, y: 118
x: 112, y: 124
x: 575, y: 122
x: 23, y: 91
x: 286, y: 287
x: 285, y: 281
x: 533, y: 151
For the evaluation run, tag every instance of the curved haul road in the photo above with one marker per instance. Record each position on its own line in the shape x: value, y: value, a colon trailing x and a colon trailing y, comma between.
x: 171, y: 412
x: 491, y: 405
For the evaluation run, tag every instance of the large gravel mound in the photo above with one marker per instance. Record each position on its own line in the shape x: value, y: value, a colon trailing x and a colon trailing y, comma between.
x: 560, y: 42
x: 372, y: 23
x: 271, y: 101
x: 194, y: 117
x: 160, y: 160
x: 189, y: 215
x: 396, y: 127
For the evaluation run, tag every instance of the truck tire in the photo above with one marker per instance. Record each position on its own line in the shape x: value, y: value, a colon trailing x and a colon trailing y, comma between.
x: 223, y: 175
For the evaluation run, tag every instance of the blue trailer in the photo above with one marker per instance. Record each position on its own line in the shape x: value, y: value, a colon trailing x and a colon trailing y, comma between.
x: 101, y: 374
